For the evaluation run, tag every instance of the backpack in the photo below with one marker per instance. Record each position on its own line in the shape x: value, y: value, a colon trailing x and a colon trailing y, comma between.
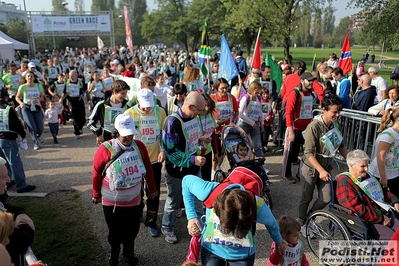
x: 240, y: 175
x: 247, y: 97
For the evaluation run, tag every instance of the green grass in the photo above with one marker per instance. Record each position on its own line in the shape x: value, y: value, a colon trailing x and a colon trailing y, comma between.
x: 302, y: 53
x: 64, y: 235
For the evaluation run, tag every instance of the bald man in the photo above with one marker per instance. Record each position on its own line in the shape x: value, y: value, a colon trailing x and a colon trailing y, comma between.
x: 180, y: 142
x: 74, y: 91
x: 364, y: 97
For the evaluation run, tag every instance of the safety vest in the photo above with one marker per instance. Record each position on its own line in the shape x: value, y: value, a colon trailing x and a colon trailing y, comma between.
x: 224, y: 109
x: 191, y: 133
x: 124, y: 174
x: 148, y: 126
x: 72, y: 89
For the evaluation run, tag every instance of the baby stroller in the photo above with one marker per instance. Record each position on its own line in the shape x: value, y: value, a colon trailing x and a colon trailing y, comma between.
x: 231, y: 135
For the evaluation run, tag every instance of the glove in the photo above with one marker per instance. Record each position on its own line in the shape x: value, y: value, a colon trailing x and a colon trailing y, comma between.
x: 23, y: 144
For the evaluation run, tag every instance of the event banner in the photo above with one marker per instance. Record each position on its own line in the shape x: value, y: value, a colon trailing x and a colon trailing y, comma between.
x: 44, y: 23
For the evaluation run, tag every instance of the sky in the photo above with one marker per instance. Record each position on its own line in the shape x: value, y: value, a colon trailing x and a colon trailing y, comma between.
x: 46, y: 5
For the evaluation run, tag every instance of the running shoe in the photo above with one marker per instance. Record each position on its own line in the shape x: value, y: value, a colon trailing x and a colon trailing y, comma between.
x: 36, y: 147
x: 77, y: 137
x: 170, y: 237
x: 28, y: 188
x: 290, y: 179
x: 153, y: 231
x: 40, y: 139
x: 179, y: 213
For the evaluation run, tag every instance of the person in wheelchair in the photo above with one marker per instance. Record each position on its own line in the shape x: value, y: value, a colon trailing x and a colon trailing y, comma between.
x: 362, y: 193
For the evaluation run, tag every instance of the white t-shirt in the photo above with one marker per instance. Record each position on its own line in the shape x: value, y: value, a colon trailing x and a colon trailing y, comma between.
x: 51, y: 115
x: 162, y: 92
x: 390, y: 173
x: 381, y: 85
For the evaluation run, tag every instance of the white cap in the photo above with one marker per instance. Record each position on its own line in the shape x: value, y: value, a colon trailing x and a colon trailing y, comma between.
x: 31, y: 64
x: 2, y: 160
x: 145, y: 97
x: 115, y: 62
x: 125, y: 125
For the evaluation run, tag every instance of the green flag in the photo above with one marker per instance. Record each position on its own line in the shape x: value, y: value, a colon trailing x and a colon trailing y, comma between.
x: 276, y: 71
x: 314, y: 62
x: 205, y: 52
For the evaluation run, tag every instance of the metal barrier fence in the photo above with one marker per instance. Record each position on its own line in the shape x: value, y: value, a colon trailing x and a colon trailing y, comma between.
x: 359, y: 130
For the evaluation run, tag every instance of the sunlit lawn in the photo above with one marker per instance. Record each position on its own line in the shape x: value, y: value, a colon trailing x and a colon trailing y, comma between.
x: 306, y: 55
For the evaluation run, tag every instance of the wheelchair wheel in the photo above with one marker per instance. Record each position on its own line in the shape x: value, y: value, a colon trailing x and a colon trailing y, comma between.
x: 267, y: 198
x: 323, y: 225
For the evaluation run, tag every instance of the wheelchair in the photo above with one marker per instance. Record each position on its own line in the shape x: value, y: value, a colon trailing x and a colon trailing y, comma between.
x: 336, y: 223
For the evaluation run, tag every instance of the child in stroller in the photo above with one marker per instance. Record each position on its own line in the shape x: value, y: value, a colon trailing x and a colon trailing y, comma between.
x: 238, y: 146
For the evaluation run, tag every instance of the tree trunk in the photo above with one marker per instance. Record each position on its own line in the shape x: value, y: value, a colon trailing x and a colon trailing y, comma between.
x: 249, y: 46
x: 286, y: 45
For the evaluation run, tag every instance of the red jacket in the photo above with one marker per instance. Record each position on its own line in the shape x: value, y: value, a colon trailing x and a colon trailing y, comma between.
x: 293, y: 108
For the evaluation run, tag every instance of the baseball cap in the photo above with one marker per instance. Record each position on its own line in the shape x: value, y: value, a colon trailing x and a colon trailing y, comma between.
x: 115, y: 62
x: 308, y: 76
x: 145, y: 97
x: 31, y: 64
x: 125, y: 125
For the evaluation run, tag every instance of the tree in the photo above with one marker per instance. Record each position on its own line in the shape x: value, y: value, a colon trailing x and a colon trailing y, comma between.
x: 345, y: 25
x: 17, y: 30
x: 58, y: 6
x: 102, y: 5
x: 79, y: 5
x: 136, y: 9
x: 379, y: 20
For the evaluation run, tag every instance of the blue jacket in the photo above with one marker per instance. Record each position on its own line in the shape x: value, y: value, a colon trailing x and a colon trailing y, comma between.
x: 344, y: 90
x: 193, y: 186
x: 242, y: 65
x: 364, y: 99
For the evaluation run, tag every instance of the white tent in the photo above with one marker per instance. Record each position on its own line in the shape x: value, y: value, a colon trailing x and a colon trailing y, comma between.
x: 6, y: 49
x: 17, y: 44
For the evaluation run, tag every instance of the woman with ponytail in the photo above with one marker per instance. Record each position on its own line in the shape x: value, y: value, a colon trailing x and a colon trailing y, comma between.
x: 385, y: 165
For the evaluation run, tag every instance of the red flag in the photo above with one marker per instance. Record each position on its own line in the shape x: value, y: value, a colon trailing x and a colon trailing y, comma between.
x: 129, y: 38
x: 345, y: 61
x: 256, y: 62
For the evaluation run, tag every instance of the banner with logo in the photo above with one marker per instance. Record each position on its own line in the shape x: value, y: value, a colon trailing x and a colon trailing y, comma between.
x: 48, y: 23
x: 129, y: 37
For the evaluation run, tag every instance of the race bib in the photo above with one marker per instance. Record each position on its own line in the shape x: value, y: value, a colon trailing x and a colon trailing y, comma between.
x: 73, y: 90
x: 254, y: 110
x: 267, y: 85
x: 306, y: 107
x: 107, y: 82
x: 109, y: 117
x: 192, y: 132
x: 213, y: 235
x: 332, y: 140
x: 148, y: 129
x: 31, y: 94
x: 15, y: 81
x: 224, y: 110
x: 60, y: 89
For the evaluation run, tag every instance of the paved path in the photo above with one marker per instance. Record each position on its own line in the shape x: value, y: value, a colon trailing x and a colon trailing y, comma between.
x: 67, y: 165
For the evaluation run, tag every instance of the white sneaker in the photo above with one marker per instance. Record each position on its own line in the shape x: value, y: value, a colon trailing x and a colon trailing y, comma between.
x: 36, y: 147
x: 170, y: 237
x: 303, y: 231
x: 23, y: 144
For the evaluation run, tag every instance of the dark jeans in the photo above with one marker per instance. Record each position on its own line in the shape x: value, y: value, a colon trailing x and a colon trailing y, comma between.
x: 53, y: 129
x: 266, y: 135
x: 123, y: 225
x: 78, y: 115
x: 294, y: 151
x: 210, y: 259
x: 153, y: 204
x: 206, y: 169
